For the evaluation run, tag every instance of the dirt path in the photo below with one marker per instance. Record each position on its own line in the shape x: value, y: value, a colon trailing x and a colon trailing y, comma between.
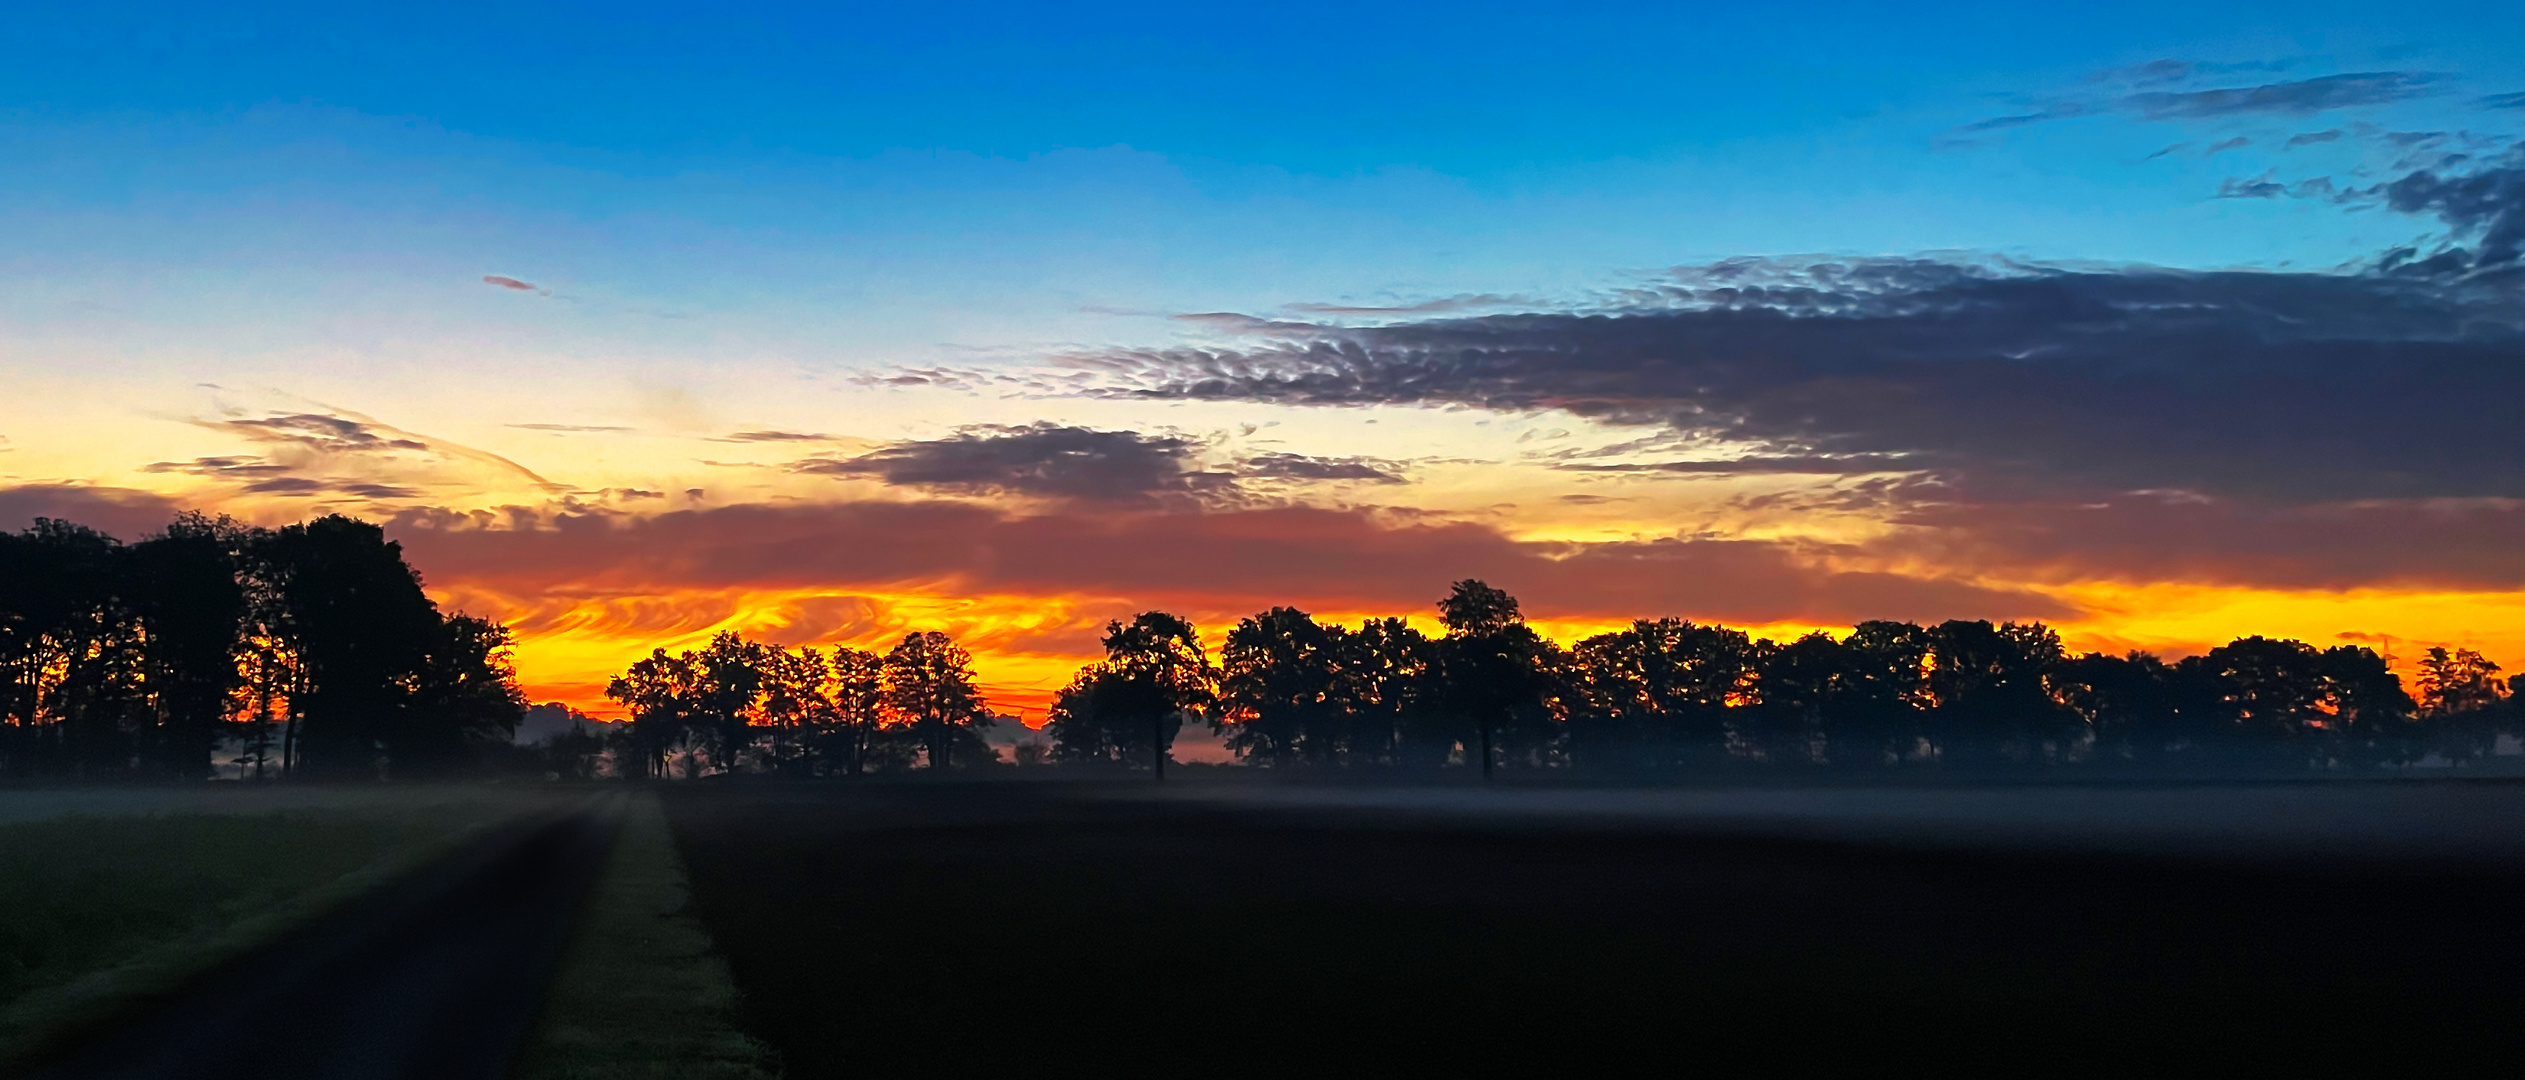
x: 438, y: 976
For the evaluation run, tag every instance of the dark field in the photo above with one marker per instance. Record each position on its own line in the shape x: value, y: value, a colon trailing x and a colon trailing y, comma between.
x: 948, y: 929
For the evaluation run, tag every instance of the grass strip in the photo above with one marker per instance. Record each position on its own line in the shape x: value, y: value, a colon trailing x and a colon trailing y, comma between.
x: 640, y: 992
x: 104, y: 913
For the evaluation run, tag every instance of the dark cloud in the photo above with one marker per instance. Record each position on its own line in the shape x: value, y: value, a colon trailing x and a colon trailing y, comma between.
x: 2262, y: 187
x: 2312, y: 137
x: 1044, y: 459
x: 1279, y: 466
x: 1756, y: 464
x: 508, y: 283
x: 776, y: 436
x: 308, y: 487
x: 589, y: 428
x: 120, y: 512
x: 2297, y: 386
x: 2503, y: 101
x: 324, y: 433
x: 2224, y: 145
x: 2486, y: 206
x: 2300, y: 97
x: 1230, y: 561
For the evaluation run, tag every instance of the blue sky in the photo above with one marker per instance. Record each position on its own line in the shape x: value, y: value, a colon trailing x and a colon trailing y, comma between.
x: 871, y: 184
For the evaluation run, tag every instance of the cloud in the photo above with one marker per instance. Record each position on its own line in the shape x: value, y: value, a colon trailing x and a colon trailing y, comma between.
x: 1044, y: 459
x: 120, y: 512
x: 2503, y: 101
x: 2300, y: 97
x: 1463, y: 302
x: 2258, y: 188
x: 1755, y: 464
x: 2429, y: 545
x: 2224, y: 145
x: 2312, y: 137
x: 325, y: 433
x: 335, y: 440
x: 588, y: 428
x: 305, y: 487
x: 2286, y: 385
x: 777, y: 436
x: 1280, y: 466
x: 2486, y: 206
x: 1226, y: 561
x: 222, y: 467
x: 509, y: 283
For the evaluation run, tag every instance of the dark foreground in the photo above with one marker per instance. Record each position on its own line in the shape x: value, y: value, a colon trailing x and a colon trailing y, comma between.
x: 436, y: 977
x: 947, y: 930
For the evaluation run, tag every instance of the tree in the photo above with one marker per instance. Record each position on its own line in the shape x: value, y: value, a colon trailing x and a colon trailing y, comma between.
x: 1501, y: 678
x: 1276, y: 686
x: 2456, y: 681
x: 74, y: 697
x: 660, y: 693
x: 1129, y: 707
x: 465, y: 699
x: 183, y: 588
x: 1384, y: 681
x: 2125, y: 702
x: 1986, y: 683
x: 354, y: 615
x: 1657, y: 694
x: 929, y: 688
x: 857, y: 698
x: 796, y: 705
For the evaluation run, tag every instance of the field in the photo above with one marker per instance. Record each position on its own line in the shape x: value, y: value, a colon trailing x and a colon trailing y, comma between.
x: 950, y: 929
x: 113, y: 896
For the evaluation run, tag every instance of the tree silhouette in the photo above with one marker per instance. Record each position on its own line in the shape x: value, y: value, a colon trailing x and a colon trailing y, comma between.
x: 184, y: 589
x: 1502, y: 680
x: 858, y: 703
x: 929, y: 687
x: 1128, y: 707
x: 1276, y: 687
x: 354, y: 614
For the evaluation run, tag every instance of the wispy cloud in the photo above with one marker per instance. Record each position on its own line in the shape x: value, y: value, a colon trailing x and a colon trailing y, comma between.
x: 587, y: 428
x: 778, y: 437
x: 1282, y: 466
x: 2298, y: 97
x: 2301, y: 97
x: 1465, y: 302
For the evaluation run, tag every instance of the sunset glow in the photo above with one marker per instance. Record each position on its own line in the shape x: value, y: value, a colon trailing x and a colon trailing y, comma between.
x: 2160, y: 351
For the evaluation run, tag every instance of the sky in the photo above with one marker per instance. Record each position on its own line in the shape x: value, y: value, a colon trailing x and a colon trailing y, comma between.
x: 2163, y: 324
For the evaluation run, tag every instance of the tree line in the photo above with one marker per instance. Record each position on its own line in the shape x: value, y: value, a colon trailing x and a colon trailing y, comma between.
x: 1662, y: 696
x: 311, y: 648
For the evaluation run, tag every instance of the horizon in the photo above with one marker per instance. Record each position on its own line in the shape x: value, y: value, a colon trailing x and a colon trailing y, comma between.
x: 823, y: 328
